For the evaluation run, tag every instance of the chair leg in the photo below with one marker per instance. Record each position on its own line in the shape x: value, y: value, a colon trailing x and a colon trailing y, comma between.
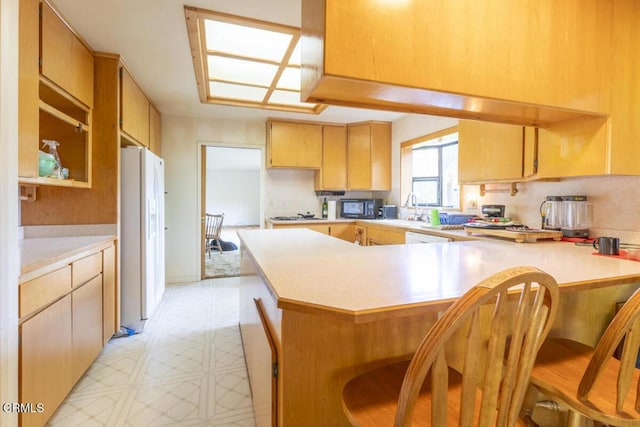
x: 574, y: 419
x: 528, y: 405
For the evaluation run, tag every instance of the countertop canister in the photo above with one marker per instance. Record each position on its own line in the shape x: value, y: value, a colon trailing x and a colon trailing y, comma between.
x: 331, y: 213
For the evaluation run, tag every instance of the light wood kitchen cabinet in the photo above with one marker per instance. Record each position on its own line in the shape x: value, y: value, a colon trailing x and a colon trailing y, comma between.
x: 294, y: 145
x: 154, y: 131
x: 134, y: 110
x: 379, y: 236
x: 369, y: 156
x: 576, y: 148
x: 62, y: 325
x: 344, y: 231
x: 65, y: 60
x: 46, y: 360
x: 402, y: 56
x: 489, y: 151
x: 55, y: 98
x: 333, y: 173
x: 87, y: 333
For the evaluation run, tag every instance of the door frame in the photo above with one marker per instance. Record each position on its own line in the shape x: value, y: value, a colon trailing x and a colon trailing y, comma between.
x: 202, y: 184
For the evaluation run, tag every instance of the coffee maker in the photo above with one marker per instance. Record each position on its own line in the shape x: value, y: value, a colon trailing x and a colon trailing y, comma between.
x: 575, y: 216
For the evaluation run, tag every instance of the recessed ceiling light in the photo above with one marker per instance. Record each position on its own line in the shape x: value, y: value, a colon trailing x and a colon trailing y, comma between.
x: 246, y: 62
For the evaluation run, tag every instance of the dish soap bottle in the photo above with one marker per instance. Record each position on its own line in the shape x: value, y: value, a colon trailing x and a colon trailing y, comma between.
x: 52, y: 146
x: 325, y: 208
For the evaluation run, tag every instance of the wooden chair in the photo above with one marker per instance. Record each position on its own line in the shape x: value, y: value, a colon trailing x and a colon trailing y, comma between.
x: 590, y: 382
x: 504, y: 318
x: 213, y: 227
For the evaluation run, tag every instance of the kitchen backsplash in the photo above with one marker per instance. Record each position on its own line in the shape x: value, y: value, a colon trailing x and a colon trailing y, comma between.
x: 614, y: 203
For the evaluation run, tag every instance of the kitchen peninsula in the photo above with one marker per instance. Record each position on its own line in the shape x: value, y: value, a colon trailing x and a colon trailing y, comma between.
x: 320, y: 310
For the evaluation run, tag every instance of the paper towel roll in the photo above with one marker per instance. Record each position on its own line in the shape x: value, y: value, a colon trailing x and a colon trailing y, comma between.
x: 331, y: 206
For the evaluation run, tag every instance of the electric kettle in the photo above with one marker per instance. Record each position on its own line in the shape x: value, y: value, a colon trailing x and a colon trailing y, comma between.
x: 575, y: 216
x: 551, y: 212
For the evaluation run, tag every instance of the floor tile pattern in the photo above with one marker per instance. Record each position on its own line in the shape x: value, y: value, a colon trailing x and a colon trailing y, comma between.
x: 186, y: 368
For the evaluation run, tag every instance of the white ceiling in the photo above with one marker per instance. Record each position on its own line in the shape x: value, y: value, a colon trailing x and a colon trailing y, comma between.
x: 151, y: 37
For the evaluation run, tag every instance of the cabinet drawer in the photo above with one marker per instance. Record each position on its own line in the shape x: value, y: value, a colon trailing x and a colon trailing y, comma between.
x: 43, y: 290
x: 86, y: 268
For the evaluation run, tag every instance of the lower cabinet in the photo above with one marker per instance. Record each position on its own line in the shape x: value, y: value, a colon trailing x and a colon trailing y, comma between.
x: 344, y: 231
x: 62, y: 329
x: 46, y: 361
x: 86, y: 309
x: 379, y: 236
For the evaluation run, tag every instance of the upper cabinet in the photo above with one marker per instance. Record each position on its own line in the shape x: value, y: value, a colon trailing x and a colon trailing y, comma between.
x: 333, y: 174
x: 489, y: 151
x: 55, y: 96
x: 65, y: 60
x: 450, y: 58
x: 369, y: 156
x: 155, y: 142
x: 134, y: 110
x: 294, y: 145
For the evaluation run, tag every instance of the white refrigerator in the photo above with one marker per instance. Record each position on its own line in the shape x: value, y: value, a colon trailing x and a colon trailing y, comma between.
x: 142, y: 277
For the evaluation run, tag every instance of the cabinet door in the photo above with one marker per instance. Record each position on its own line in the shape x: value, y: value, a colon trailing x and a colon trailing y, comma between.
x: 380, y: 156
x: 154, y: 131
x: 310, y: 146
x: 489, y: 151
x: 294, y: 145
x: 45, y: 360
x: 29, y: 77
x: 359, y: 157
x: 134, y: 112
x: 65, y: 60
x: 110, y: 295
x: 576, y: 148
x: 343, y: 231
x: 86, y: 329
x: 377, y: 236
x: 333, y: 174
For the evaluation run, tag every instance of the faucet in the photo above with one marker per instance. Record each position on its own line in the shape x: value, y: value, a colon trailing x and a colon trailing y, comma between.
x: 411, y: 197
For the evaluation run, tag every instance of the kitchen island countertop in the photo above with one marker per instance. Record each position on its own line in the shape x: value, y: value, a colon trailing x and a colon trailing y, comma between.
x: 307, y: 271
x: 326, y: 310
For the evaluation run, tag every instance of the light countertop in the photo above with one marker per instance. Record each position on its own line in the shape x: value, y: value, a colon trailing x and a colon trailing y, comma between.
x: 309, y: 271
x: 40, y: 255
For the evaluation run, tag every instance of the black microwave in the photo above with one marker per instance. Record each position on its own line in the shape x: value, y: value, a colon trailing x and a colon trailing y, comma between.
x: 360, y: 208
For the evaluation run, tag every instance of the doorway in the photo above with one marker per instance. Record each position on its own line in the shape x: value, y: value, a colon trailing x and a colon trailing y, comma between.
x: 231, y: 184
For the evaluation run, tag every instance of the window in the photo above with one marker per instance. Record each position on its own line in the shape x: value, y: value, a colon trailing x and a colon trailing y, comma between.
x: 435, y: 174
x: 430, y: 169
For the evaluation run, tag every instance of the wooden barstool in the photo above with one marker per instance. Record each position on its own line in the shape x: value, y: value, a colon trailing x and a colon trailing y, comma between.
x: 489, y: 386
x: 591, y: 382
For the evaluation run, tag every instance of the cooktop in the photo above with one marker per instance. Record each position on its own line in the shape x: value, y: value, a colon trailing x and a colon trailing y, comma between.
x: 293, y: 218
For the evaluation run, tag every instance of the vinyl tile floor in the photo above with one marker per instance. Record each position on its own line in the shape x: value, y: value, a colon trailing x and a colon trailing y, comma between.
x: 186, y: 368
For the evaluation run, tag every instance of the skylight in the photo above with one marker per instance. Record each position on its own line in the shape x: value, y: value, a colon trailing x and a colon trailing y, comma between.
x: 245, y: 62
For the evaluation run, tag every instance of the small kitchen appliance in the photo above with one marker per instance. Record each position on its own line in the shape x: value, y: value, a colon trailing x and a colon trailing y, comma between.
x: 360, y: 208
x: 575, y: 216
x: 493, y: 211
x: 388, y: 212
x: 551, y: 211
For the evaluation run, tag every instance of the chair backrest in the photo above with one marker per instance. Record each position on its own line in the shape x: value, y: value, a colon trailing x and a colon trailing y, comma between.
x: 624, y: 326
x: 524, y: 303
x: 213, y: 225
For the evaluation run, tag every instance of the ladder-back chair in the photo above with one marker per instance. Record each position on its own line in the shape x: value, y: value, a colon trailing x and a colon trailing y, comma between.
x: 213, y: 227
x: 489, y: 386
x: 591, y: 382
